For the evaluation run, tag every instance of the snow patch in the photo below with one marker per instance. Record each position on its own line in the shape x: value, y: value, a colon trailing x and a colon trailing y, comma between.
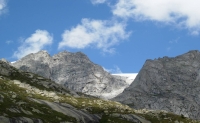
x: 130, y: 77
x: 12, y: 62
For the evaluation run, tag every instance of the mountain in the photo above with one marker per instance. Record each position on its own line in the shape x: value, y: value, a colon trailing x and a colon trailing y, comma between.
x: 29, y: 98
x: 171, y: 84
x: 75, y: 71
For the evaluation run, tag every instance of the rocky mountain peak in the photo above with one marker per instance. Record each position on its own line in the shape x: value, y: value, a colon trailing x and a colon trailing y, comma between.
x: 75, y: 71
x: 191, y: 55
x: 73, y: 58
x: 194, y: 52
x: 171, y: 84
x: 4, y: 60
x: 42, y: 53
x: 63, y: 53
x: 28, y: 98
x: 39, y: 56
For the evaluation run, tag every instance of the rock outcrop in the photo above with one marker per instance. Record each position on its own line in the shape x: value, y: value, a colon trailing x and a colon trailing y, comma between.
x: 7, y: 70
x: 4, y: 119
x: 79, y: 115
x: 171, y: 84
x: 75, y: 71
x: 28, y: 98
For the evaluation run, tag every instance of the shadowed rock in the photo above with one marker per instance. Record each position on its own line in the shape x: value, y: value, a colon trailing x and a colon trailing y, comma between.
x: 81, y: 116
x: 171, y: 84
x: 4, y: 119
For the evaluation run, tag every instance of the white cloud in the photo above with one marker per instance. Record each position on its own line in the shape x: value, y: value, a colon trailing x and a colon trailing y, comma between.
x: 9, y: 42
x: 94, y: 33
x: 174, y: 40
x: 169, y: 48
x: 34, y: 43
x: 2, y: 6
x: 98, y: 1
x: 183, y: 13
x: 195, y: 33
x: 115, y: 70
x: 12, y: 62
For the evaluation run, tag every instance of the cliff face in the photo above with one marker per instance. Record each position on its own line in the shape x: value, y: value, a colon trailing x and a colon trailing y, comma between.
x: 171, y: 84
x: 75, y: 71
x: 29, y: 98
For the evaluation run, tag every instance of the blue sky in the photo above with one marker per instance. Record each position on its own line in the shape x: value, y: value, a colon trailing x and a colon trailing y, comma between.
x: 116, y: 34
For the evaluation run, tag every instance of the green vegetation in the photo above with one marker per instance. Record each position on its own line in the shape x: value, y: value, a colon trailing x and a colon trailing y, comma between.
x: 21, y: 102
x: 109, y: 119
x: 166, y: 118
x: 15, y: 102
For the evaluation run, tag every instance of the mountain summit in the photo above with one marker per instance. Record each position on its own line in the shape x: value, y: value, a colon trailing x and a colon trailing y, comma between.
x: 75, y: 71
x: 29, y: 98
x: 171, y: 84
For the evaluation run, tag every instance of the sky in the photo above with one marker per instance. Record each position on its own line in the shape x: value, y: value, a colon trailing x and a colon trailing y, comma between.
x: 119, y: 35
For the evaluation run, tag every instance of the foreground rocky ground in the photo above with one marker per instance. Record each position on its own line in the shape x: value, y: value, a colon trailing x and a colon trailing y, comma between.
x: 29, y: 98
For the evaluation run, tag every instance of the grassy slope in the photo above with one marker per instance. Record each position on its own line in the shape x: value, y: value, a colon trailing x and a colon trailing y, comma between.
x: 92, y: 105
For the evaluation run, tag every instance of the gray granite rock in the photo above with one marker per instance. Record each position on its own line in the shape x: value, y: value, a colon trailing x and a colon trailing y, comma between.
x: 4, y: 60
x: 130, y: 117
x: 8, y: 71
x: 171, y: 84
x: 74, y: 70
x: 4, y: 119
x: 5, y: 68
x: 81, y: 116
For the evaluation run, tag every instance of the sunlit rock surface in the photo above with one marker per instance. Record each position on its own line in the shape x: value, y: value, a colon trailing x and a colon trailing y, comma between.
x: 75, y: 71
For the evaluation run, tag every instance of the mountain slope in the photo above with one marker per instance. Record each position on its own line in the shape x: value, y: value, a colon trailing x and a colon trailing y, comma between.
x: 29, y: 98
x: 73, y: 70
x: 171, y: 84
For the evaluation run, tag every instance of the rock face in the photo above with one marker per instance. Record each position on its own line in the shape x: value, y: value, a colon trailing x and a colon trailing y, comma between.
x: 171, y: 84
x: 81, y: 116
x: 25, y: 95
x: 75, y: 71
x: 28, y: 98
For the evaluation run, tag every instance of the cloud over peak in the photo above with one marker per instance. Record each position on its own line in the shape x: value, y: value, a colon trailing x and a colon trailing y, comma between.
x: 182, y: 12
x: 115, y: 70
x: 94, y: 33
x: 98, y: 1
x: 36, y: 42
x: 2, y: 6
